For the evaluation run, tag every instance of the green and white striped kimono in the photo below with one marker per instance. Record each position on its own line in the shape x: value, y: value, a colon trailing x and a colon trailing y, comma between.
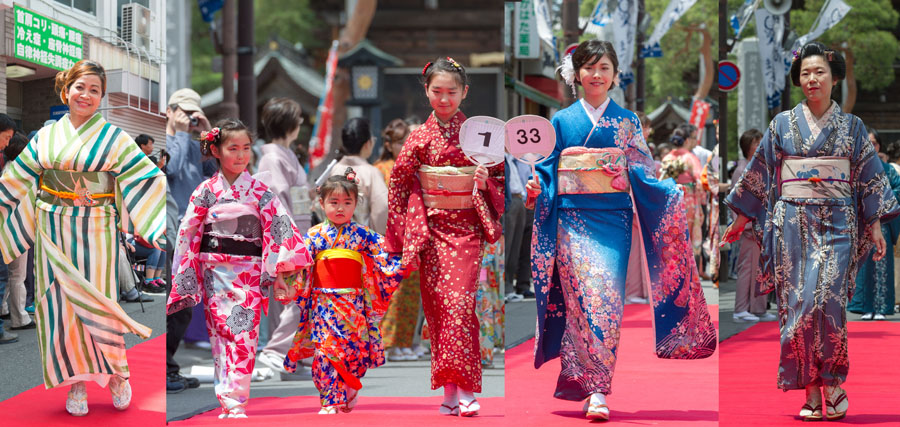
x: 51, y: 198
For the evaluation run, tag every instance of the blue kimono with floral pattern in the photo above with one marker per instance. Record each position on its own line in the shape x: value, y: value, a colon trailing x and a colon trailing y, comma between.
x: 580, y: 250
x: 811, y: 246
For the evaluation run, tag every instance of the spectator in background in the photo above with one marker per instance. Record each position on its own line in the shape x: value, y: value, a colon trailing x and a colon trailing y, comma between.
x: 371, y: 205
x: 145, y: 142
x: 7, y: 128
x: 748, y: 305
x: 183, y: 116
x: 15, y: 296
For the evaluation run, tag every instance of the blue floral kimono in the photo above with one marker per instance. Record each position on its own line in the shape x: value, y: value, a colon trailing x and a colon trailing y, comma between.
x: 813, y: 189
x: 580, y: 249
x: 874, y: 291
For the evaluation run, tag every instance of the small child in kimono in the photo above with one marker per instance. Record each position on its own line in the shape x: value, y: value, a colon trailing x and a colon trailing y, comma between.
x: 235, y: 241
x: 343, y: 298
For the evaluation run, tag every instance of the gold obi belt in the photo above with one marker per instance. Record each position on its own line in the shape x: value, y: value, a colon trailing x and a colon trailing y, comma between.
x: 71, y: 188
x: 815, y: 177
x: 592, y: 170
x: 338, y: 269
x: 447, y: 187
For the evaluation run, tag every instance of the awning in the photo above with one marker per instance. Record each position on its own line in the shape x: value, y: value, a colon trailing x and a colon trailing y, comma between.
x: 531, y: 93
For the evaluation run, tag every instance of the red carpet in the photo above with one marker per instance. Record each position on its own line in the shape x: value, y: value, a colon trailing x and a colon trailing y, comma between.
x: 750, y: 364
x: 645, y: 389
x: 370, y: 411
x: 41, y: 407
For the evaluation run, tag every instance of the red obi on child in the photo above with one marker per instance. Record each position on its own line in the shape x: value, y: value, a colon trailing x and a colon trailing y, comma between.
x: 338, y: 268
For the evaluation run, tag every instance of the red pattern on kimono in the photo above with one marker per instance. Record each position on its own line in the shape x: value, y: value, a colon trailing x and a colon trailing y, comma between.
x: 248, y: 215
x: 340, y: 311
x: 449, y: 242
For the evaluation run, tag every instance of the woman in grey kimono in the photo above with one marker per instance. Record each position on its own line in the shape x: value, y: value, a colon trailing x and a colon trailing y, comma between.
x: 816, y: 193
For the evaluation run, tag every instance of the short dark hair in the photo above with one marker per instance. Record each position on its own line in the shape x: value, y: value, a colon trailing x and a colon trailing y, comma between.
x: 445, y: 65
x: 280, y: 116
x: 832, y: 57
x: 143, y: 139
x: 6, y: 123
x: 594, y: 49
x: 876, y: 135
x: 354, y: 135
x: 17, y: 143
x: 340, y: 182
x: 747, y: 139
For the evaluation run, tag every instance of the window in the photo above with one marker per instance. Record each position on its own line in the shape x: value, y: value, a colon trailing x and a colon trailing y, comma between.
x: 88, y: 6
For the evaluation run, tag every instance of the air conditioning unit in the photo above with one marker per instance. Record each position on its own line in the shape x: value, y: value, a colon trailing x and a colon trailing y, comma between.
x: 136, y: 21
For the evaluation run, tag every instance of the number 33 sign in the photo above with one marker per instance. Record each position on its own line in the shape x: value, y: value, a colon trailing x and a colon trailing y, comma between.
x: 529, y: 138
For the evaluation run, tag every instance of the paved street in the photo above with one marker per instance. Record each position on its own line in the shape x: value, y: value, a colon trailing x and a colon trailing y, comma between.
x: 391, y: 379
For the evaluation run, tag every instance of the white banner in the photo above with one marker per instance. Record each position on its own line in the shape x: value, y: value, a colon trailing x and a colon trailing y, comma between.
x: 674, y: 10
x: 598, y: 19
x: 769, y: 30
x: 625, y: 30
x: 832, y: 13
x: 740, y: 19
x: 542, y: 16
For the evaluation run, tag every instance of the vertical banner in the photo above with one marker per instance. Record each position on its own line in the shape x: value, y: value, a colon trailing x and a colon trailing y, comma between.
x: 675, y: 10
x: 320, y: 142
x: 769, y: 31
x: 625, y: 31
x: 832, y: 13
x: 599, y: 18
x: 527, y: 44
x: 542, y: 16
x: 699, y: 113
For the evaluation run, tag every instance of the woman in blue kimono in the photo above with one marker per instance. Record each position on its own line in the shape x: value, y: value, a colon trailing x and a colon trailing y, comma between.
x: 816, y: 193
x: 874, y: 293
x: 582, y: 238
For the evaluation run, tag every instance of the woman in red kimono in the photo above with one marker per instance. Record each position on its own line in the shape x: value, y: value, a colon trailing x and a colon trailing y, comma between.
x: 435, y: 220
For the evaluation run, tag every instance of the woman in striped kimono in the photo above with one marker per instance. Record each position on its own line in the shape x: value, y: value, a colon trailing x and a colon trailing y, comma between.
x: 74, y: 186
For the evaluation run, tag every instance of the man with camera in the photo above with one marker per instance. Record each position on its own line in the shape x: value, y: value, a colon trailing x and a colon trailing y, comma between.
x: 186, y: 170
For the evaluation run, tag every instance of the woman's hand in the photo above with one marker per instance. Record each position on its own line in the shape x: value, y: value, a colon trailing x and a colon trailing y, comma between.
x: 481, y: 176
x: 878, y: 238
x: 283, y: 292
x: 734, y: 230
x: 533, y: 188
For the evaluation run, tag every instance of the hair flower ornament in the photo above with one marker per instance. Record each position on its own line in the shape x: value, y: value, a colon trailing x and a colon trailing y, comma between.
x: 454, y: 63
x: 211, y: 135
x: 567, y: 71
x: 796, y: 55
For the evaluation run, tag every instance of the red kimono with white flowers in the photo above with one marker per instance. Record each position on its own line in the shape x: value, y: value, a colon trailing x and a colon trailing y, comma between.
x: 447, y: 244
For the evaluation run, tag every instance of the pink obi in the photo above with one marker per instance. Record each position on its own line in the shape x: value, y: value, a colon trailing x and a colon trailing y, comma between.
x: 815, y: 177
x: 592, y: 170
x: 447, y: 190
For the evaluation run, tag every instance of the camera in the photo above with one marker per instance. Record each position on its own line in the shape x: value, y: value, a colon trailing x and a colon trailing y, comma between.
x: 195, y: 121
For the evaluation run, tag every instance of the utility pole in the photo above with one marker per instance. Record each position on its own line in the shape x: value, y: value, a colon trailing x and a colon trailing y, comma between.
x: 229, y: 60
x: 571, y: 32
x: 246, y: 77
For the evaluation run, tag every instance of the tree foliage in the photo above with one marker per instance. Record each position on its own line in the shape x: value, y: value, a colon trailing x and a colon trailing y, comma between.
x: 675, y: 74
x: 290, y: 20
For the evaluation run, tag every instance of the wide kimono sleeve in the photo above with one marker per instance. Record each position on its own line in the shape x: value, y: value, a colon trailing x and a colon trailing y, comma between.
x: 284, y: 250
x: 874, y: 197
x: 494, y: 204
x: 140, y: 192
x: 387, y: 269
x: 18, y: 190
x: 186, y: 290
x: 407, y: 225
x: 754, y: 197
x: 893, y: 226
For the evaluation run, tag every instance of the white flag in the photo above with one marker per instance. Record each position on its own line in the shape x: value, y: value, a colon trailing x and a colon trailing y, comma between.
x: 599, y: 18
x: 832, y: 13
x: 624, y: 32
x: 542, y: 14
x: 674, y: 10
x: 769, y: 31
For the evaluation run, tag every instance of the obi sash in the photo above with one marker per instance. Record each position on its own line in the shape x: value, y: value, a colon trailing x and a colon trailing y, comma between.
x: 447, y: 187
x: 71, y: 188
x: 592, y: 170
x: 240, y: 235
x: 815, y: 177
x: 337, y: 269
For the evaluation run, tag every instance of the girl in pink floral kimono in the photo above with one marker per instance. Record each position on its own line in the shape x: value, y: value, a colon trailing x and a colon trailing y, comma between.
x: 235, y: 241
